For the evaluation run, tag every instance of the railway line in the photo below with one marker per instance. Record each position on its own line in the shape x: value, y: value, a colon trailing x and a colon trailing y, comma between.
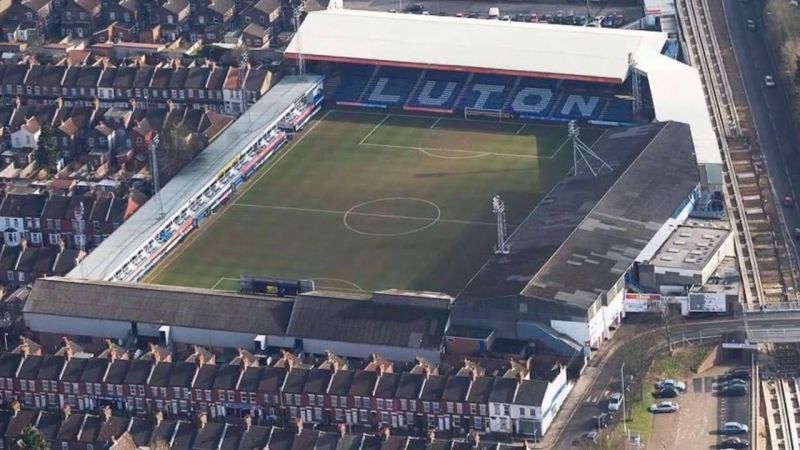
x: 766, y: 263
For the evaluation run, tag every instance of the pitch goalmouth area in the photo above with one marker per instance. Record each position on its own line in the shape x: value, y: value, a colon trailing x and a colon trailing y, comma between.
x: 369, y: 200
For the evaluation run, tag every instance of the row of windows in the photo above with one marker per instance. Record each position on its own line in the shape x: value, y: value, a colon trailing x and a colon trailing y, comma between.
x: 109, y: 93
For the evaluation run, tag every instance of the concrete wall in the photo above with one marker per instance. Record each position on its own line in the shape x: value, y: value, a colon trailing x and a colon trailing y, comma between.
x: 44, y: 323
x: 356, y: 350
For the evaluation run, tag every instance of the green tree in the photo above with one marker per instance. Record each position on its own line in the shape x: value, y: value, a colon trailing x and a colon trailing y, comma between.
x: 33, y: 439
x: 46, y: 152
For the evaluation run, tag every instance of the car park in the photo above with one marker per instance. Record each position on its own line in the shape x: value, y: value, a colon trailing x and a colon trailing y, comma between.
x: 734, y: 428
x: 678, y: 385
x: 602, y: 420
x: 663, y: 407
x: 735, y: 442
x: 615, y: 401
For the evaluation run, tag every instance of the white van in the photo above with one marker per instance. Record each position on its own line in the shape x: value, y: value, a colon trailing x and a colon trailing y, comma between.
x: 494, y: 13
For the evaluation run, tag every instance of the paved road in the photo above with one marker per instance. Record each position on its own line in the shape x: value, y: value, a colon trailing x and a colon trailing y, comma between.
x: 608, y: 378
x: 451, y: 7
x: 769, y: 107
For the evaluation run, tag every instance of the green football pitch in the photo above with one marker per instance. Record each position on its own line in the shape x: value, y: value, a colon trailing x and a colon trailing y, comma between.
x: 364, y: 200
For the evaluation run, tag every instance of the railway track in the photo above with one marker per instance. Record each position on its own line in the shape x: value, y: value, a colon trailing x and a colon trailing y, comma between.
x: 764, y: 260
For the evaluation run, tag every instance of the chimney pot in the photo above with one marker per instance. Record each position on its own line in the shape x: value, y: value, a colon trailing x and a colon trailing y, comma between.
x: 248, y: 422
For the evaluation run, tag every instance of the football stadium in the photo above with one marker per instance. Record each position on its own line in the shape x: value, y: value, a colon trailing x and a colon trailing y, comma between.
x: 483, y: 160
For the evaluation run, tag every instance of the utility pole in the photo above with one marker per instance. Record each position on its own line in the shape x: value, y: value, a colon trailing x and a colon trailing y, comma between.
x: 153, y: 147
x: 624, y: 399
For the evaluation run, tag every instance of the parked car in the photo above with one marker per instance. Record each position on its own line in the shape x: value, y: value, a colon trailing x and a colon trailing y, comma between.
x: 615, y: 401
x: 737, y: 382
x: 679, y: 385
x: 788, y: 201
x: 751, y: 25
x: 473, y: 14
x: 494, y: 13
x: 740, y: 373
x: 602, y: 420
x: 591, y: 436
x: 736, y: 390
x: 534, y: 17
x: 769, y: 81
x: 666, y: 392
x: 664, y: 407
x: 735, y: 442
x: 734, y: 428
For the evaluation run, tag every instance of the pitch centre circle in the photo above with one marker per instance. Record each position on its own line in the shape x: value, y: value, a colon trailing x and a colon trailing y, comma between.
x: 392, y: 216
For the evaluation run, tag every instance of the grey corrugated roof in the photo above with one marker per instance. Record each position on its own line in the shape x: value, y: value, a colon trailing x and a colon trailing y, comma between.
x: 366, y: 321
x: 197, y: 308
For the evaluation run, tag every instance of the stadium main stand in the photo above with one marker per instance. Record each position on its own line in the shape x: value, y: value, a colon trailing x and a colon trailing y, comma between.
x: 453, y: 92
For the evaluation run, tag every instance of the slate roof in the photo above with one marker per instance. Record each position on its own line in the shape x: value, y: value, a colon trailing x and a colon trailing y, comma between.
x: 182, y: 374
x: 112, y: 428
x: 51, y: 367
x: 141, y: 431
x: 341, y: 381
x: 503, y: 390
x: 19, y: 421
x: 433, y: 388
x: 184, y: 436
x: 56, y: 207
x: 327, y: 441
x: 9, y: 363
x: 161, y: 374
x: 90, y: 430
x: 208, y: 436
x: 74, y: 369
x: 205, y: 376
x: 251, y: 378
x: 272, y: 379
x: 232, y: 437
x: 387, y: 385
x: 531, y: 392
x: 295, y: 381
x: 456, y: 389
x: 280, y: 439
x: 366, y: 321
x: 255, y: 438
x: 30, y: 367
x: 363, y: 383
x: 305, y: 440
x: 197, y: 308
x: 317, y: 382
x: 410, y: 385
x: 480, y: 389
x: 138, y: 371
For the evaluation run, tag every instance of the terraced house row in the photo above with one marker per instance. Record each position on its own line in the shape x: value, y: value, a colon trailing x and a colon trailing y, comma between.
x: 229, y: 90
x: 522, y: 399
x: 68, y: 430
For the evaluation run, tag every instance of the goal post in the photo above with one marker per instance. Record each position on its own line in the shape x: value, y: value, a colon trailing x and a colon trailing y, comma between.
x: 486, y: 114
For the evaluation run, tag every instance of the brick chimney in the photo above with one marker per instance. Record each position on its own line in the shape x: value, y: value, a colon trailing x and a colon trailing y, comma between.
x: 133, y: 104
x: 298, y: 423
x: 17, y: 101
x: 67, y: 411
x: 24, y: 244
x: 386, y: 432
x: 248, y: 422
x: 476, y: 439
x: 203, y: 420
x: 59, y: 103
x: 61, y: 246
x: 431, y: 435
x: 16, y: 407
x: 68, y: 350
x: 170, y: 105
x: 107, y: 413
x: 342, y: 429
x: 159, y: 417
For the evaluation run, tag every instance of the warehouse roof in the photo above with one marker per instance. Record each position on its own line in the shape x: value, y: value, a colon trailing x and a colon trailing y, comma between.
x: 196, y: 308
x: 543, y: 50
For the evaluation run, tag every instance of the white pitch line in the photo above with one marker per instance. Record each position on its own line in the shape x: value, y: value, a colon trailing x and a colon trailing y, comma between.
x: 355, y: 213
x: 436, y: 122
x: 220, y: 281
x: 521, y: 128
x: 374, y: 129
x: 558, y: 149
x: 453, y: 150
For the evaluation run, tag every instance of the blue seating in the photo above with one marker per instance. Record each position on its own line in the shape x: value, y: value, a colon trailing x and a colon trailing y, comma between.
x: 391, y: 86
x: 439, y: 89
x: 618, y: 110
x: 498, y: 88
x: 353, y: 79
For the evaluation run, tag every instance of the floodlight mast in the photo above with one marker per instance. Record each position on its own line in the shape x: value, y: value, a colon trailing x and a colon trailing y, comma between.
x: 583, y: 153
x: 499, y: 208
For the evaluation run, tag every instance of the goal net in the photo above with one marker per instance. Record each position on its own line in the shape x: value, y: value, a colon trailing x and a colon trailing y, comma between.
x: 486, y: 114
